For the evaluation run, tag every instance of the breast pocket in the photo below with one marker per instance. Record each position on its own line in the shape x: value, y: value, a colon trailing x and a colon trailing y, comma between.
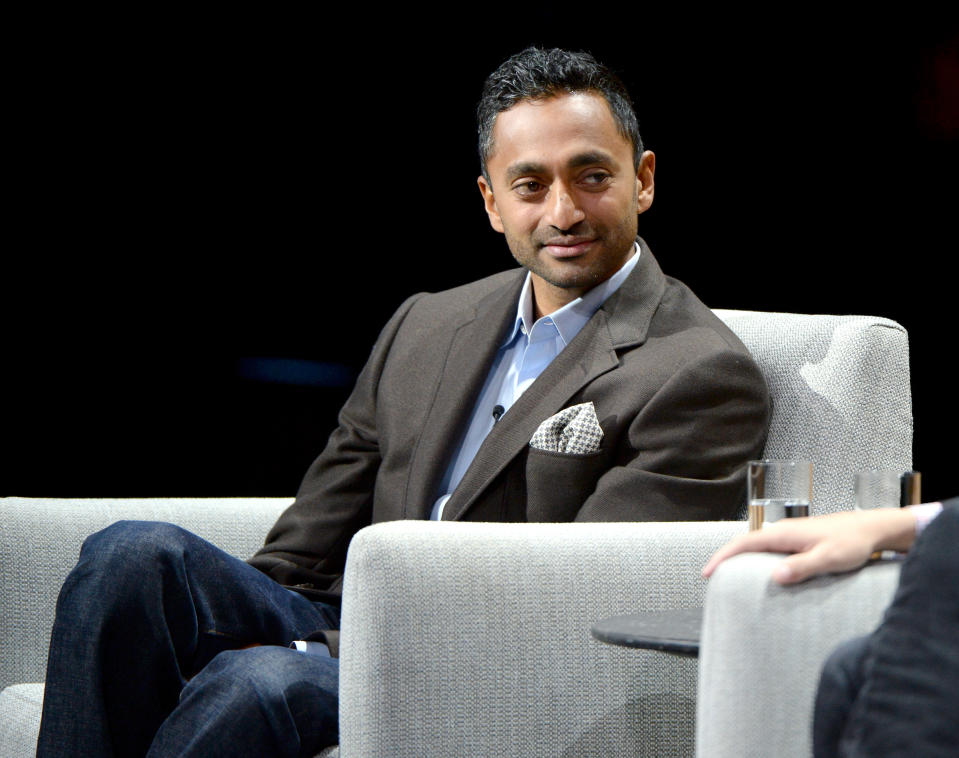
x: 557, y: 484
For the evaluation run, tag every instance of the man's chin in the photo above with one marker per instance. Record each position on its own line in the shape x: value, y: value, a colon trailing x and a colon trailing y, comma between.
x: 583, y: 279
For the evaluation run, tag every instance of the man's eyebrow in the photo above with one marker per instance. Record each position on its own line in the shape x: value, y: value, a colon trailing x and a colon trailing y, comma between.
x: 590, y: 158
x: 522, y: 169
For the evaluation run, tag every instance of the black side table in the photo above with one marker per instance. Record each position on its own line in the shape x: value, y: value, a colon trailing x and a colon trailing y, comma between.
x: 674, y: 631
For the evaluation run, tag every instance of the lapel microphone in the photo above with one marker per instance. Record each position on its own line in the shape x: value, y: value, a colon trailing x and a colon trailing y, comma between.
x: 498, y: 410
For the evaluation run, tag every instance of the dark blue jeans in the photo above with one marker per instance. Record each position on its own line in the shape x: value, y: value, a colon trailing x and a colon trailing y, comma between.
x: 150, y: 655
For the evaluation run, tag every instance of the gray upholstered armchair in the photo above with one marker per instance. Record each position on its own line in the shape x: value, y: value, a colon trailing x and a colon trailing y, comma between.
x: 763, y: 648
x: 444, y: 656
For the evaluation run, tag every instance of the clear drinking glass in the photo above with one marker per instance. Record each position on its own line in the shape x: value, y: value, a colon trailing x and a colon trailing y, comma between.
x: 878, y: 489
x: 778, y: 489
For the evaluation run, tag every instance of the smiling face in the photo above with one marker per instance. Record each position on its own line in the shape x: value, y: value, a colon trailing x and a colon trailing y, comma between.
x: 563, y: 190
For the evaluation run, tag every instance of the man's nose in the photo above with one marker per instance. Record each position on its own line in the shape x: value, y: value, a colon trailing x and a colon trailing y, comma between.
x: 562, y: 209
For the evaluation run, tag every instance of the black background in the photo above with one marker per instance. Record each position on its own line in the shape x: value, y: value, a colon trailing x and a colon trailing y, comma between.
x: 192, y: 190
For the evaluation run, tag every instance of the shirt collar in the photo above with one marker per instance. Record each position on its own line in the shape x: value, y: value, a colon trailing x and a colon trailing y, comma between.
x: 572, y: 317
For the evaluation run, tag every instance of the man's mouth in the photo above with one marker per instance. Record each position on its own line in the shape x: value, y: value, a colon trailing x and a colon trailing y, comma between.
x: 568, y: 247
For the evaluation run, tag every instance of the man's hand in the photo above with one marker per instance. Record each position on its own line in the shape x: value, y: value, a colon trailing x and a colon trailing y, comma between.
x: 824, y: 544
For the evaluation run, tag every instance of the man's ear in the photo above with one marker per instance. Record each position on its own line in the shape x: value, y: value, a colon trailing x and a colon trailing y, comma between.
x: 645, y: 184
x: 486, y: 190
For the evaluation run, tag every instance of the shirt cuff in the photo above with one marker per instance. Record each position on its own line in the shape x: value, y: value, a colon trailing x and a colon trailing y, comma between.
x: 924, y: 514
x: 311, y: 647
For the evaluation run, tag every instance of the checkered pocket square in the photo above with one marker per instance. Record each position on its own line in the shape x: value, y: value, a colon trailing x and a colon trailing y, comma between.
x: 573, y: 430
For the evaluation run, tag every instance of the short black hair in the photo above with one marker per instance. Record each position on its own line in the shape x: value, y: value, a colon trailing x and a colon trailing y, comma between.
x: 537, y: 74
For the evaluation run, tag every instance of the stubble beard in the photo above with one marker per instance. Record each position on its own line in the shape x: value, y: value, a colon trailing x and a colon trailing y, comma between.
x: 574, y: 273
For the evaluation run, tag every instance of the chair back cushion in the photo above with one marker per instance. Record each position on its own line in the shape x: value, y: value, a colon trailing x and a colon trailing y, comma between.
x: 840, y: 393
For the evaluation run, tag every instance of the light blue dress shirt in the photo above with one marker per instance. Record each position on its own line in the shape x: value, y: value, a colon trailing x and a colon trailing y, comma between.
x: 527, y: 351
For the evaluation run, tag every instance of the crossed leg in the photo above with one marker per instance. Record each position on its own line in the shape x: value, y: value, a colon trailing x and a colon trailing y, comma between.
x: 148, y: 609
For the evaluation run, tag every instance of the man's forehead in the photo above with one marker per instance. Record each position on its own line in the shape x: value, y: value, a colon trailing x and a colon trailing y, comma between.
x: 542, y: 111
x: 575, y: 129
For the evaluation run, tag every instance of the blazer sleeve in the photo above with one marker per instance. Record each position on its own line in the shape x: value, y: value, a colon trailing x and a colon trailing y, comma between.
x: 684, y: 457
x: 306, y: 548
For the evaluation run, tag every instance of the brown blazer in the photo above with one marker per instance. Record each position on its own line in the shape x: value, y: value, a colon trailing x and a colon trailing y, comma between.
x: 682, y: 406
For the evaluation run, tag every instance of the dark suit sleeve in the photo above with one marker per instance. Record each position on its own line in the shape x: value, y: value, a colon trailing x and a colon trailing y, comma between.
x: 685, y: 453
x: 307, y: 545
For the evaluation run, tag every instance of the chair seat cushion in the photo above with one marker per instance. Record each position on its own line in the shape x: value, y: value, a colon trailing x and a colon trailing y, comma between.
x: 20, y: 707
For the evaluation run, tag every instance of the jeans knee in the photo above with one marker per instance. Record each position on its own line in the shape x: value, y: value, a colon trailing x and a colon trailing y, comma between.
x: 120, y: 560
x: 135, y: 541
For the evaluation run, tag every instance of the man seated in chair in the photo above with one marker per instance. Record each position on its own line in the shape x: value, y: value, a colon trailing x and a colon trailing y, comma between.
x: 583, y: 386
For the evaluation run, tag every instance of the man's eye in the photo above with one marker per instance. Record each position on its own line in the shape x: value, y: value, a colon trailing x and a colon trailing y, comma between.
x: 596, y: 179
x: 528, y: 188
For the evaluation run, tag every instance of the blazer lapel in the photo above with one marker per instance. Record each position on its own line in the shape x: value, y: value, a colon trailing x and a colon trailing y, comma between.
x: 622, y: 321
x: 475, y: 341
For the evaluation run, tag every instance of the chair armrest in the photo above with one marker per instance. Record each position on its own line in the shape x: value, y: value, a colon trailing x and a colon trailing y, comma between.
x: 762, y: 650
x: 40, y: 540
x: 474, y: 639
